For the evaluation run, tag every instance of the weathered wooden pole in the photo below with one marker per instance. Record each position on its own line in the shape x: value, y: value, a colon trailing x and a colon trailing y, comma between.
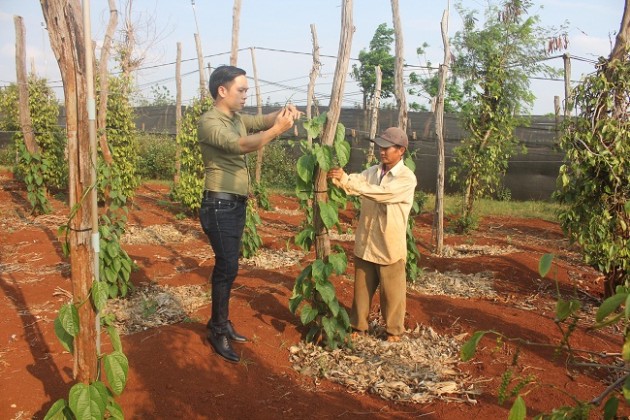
x: 376, y: 103
x: 101, y: 116
x: 178, y: 111
x: 399, y: 84
x: 203, y: 88
x: 322, y: 240
x: 236, y: 18
x: 261, y: 152
x: 438, y: 217
x: 311, y: 80
x: 566, y: 58
x: 26, y: 122
x: 65, y: 28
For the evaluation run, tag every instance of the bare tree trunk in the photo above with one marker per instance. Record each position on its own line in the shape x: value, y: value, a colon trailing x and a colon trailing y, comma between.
x: 178, y: 111
x: 22, y: 81
x: 261, y: 152
x: 438, y: 217
x: 203, y: 88
x: 620, y: 52
x: 65, y: 28
x: 399, y: 85
x: 312, y: 76
x: 322, y: 240
x: 104, y: 82
x: 236, y: 19
x: 376, y: 103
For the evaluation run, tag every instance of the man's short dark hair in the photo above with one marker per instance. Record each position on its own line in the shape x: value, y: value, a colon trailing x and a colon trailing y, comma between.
x: 223, y: 76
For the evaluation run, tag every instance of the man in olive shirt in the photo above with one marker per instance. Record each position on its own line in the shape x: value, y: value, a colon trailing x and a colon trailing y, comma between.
x: 224, y: 140
x: 387, y: 193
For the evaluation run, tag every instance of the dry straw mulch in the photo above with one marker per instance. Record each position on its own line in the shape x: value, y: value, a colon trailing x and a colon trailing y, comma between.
x: 420, y: 368
x: 153, y: 305
x: 456, y: 284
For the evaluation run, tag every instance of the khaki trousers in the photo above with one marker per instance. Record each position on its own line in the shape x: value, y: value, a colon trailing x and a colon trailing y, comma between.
x: 392, y: 283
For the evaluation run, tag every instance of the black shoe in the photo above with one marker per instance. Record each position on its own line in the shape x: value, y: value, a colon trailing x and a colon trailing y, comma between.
x: 233, y: 335
x: 222, y: 347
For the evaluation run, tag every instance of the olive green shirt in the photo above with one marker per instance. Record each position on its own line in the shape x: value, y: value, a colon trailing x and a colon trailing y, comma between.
x: 225, y: 165
x: 386, y: 201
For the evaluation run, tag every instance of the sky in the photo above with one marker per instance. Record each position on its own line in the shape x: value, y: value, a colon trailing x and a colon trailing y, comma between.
x: 280, y: 34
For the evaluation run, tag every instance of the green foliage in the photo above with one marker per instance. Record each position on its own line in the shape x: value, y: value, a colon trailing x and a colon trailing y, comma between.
x: 278, y: 167
x: 313, y: 294
x: 496, y: 92
x: 115, y: 265
x: 190, y: 187
x: 7, y: 155
x: 120, y: 178
x: 156, y: 156
x: 48, y: 168
x: 594, y: 180
x: 94, y: 400
x: 613, y: 310
x: 33, y: 168
x: 251, y: 241
x: 44, y: 111
x: 428, y: 84
x: 378, y: 55
x: 261, y: 195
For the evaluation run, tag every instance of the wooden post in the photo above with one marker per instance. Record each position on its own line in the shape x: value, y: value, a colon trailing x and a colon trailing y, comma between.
x: 322, y: 240
x: 567, y: 84
x: 26, y: 123
x: 236, y: 17
x: 104, y: 83
x: 375, y: 104
x: 65, y: 28
x: 312, y: 76
x: 438, y: 217
x: 261, y: 152
x: 399, y: 85
x: 203, y: 88
x: 178, y: 112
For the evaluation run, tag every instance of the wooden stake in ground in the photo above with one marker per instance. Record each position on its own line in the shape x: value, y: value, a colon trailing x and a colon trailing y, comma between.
x: 26, y: 123
x: 203, y: 88
x: 236, y: 19
x: 376, y: 103
x: 104, y: 81
x: 438, y: 217
x: 178, y: 111
x: 322, y: 240
x: 261, y: 152
x: 399, y: 85
x: 311, y: 80
x: 65, y: 28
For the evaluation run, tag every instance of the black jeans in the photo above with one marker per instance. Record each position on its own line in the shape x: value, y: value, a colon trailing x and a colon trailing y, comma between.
x: 223, y: 222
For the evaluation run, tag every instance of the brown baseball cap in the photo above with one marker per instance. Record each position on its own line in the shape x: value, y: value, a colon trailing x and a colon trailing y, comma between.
x: 392, y: 136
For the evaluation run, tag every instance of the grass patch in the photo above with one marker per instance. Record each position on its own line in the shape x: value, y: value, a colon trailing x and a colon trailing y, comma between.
x: 544, y: 210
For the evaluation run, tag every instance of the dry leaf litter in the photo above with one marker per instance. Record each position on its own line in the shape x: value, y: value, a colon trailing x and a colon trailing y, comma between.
x: 157, y: 235
x: 469, y: 251
x: 456, y: 284
x: 420, y: 368
x: 153, y: 305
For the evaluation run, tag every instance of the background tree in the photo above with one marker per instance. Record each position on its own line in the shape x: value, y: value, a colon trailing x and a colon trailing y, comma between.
x: 594, y: 181
x: 495, y: 63
x: 379, y: 54
x: 426, y: 85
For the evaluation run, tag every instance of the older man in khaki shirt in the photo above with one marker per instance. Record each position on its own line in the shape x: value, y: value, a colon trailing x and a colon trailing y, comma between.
x: 387, y: 192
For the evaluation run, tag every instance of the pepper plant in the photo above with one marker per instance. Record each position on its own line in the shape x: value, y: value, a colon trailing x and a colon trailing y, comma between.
x: 314, y: 296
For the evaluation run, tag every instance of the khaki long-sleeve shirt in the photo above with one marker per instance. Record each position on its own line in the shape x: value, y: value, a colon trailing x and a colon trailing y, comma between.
x: 385, y: 206
x: 225, y: 166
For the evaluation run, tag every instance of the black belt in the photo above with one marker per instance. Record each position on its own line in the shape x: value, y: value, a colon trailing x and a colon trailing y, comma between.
x: 224, y: 196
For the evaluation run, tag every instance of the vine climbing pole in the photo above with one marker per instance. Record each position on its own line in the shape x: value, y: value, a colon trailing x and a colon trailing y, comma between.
x: 65, y: 28
x: 322, y: 240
